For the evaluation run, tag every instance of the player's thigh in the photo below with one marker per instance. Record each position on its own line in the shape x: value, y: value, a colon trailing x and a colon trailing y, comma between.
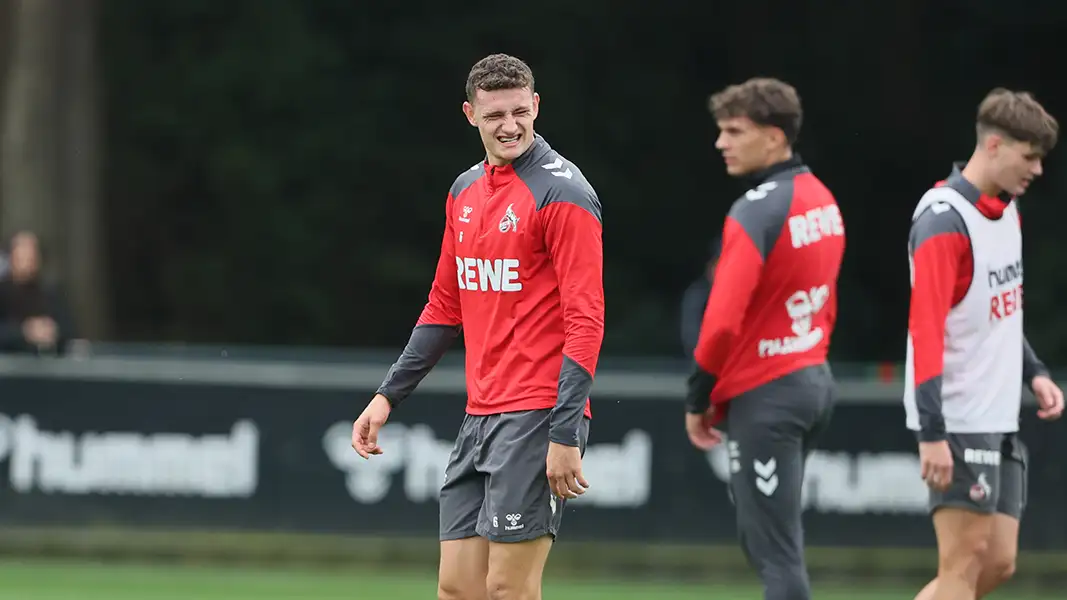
x: 463, y: 490
x: 519, y: 505
x: 516, y: 568
x: 463, y: 570
x: 766, y: 479
x: 1003, y: 549
x: 963, y: 537
x: 824, y: 393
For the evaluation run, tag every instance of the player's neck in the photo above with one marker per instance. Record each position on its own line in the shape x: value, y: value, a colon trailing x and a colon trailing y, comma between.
x: 778, y: 157
x: 772, y: 163
x: 976, y: 171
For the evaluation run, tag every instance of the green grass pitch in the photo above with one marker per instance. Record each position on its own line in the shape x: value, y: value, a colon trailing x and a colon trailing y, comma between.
x: 39, y: 580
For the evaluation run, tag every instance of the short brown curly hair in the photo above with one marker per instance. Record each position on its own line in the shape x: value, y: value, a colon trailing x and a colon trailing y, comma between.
x: 764, y: 100
x: 499, y: 72
x: 1017, y: 115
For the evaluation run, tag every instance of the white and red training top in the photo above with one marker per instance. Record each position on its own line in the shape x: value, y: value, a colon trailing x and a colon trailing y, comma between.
x: 967, y: 357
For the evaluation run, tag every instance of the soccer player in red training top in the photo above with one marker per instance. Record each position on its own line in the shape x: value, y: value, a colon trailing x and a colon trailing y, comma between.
x: 521, y: 272
x: 761, y: 356
x: 967, y: 356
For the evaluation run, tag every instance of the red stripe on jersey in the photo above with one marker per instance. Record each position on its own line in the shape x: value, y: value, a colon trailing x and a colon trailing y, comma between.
x: 443, y: 304
x: 736, y: 277
x: 573, y: 239
x: 943, y: 268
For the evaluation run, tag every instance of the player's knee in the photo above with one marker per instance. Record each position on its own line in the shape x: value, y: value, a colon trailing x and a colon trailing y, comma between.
x: 1000, y: 569
x: 504, y: 588
x: 454, y: 589
x: 967, y: 557
x: 788, y: 582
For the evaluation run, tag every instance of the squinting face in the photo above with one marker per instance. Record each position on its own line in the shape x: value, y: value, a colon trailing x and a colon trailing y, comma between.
x: 504, y: 119
x: 745, y: 146
x: 1015, y: 165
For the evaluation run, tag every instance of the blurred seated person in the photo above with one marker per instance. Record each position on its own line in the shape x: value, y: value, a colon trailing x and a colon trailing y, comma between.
x: 33, y: 314
x: 695, y: 300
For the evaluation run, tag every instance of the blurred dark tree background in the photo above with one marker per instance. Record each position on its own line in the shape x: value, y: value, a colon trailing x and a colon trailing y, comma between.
x: 274, y: 171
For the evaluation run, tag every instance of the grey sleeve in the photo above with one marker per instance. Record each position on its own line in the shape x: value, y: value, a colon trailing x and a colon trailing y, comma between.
x: 938, y: 219
x: 557, y: 181
x: 565, y: 421
x: 762, y: 213
x: 1032, y: 365
x: 425, y: 347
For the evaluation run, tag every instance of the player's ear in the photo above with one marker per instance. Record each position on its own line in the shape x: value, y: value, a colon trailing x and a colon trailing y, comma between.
x: 779, y: 137
x: 536, y: 104
x: 468, y: 110
x: 774, y: 137
x: 993, y: 142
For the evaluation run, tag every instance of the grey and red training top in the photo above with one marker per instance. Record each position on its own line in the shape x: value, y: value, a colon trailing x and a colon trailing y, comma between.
x: 521, y: 271
x: 773, y: 304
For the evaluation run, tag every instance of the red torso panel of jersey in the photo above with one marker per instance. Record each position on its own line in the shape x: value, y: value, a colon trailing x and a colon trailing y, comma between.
x: 521, y: 270
x: 773, y: 305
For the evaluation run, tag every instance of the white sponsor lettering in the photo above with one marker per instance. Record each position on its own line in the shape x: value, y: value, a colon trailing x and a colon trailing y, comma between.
x: 981, y: 457
x: 839, y: 482
x: 130, y: 463
x: 801, y: 306
x: 620, y: 474
x: 485, y: 275
x: 815, y: 224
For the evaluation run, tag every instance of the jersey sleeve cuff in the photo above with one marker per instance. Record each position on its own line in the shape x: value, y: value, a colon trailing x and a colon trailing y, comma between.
x: 565, y: 420
x: 425, y: 347
x: 698, y: 394
x: 1032, y: 365
x: 928, y: 404
x: 931, y: 435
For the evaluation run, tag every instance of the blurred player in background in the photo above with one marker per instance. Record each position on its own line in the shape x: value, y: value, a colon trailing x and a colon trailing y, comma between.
x: 695, y: 300
x: 967, y: 357
x: 520, y: 272
x: 761, y: 356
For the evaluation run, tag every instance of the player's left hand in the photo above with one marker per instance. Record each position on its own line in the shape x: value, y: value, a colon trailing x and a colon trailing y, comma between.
x: 564, y: 470
x: 1049, y: 398
x: 701, y: 433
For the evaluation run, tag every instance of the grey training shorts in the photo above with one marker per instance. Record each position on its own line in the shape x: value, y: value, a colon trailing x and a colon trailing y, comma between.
x: 495, y: 482
x: 988, y: 474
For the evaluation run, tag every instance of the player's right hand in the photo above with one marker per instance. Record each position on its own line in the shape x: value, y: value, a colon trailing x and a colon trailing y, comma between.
x: 365, y: 429
x: 701, y: 433
x: 936, y: 461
